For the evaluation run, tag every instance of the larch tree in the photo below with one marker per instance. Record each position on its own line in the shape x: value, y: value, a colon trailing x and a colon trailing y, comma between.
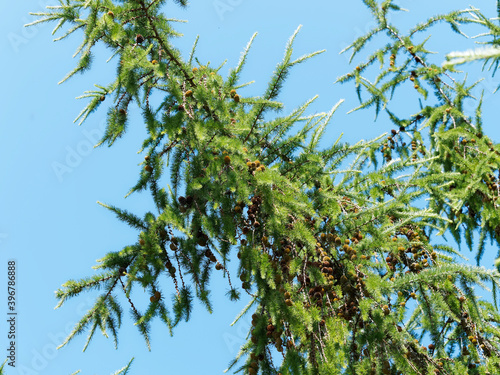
x: 336, y: 248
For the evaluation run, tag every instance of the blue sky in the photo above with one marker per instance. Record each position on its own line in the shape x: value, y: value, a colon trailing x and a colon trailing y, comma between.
x: 51, y: 177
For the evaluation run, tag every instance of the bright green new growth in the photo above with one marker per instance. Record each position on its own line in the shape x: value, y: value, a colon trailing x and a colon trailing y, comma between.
x: 123, y: 371
x: 333, y: 245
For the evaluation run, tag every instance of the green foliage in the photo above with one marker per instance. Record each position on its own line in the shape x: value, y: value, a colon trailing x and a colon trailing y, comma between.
x: 125, y: 370
x: 334, y: 245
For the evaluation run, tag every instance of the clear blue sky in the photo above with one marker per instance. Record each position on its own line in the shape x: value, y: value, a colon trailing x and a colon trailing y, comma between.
x: 51, y: 178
